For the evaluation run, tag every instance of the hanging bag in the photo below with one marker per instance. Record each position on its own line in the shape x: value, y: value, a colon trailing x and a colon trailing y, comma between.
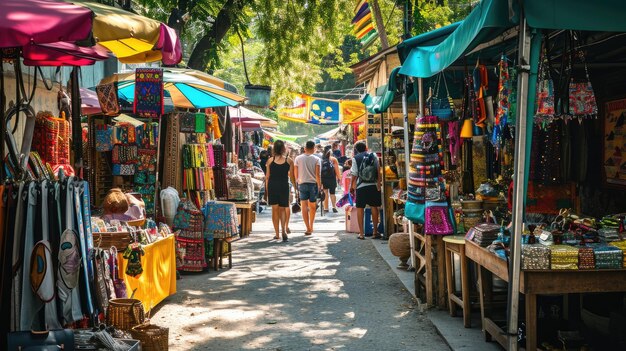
x: 442, y: 107
x: 582, y: 100
x: 545, y: 90
x: 437, y: 219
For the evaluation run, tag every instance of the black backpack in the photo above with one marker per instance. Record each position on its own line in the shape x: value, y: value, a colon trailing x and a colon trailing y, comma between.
x: 328, y: 171
x: 368, y: 172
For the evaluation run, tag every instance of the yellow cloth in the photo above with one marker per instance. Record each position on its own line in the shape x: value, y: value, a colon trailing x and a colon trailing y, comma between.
x: 158, y: 279
x: 217, y: 133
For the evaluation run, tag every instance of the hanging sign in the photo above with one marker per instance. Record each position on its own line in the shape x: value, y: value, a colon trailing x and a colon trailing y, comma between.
x: 298, y: 111
x: 323, y: 111
x: 148, y: 100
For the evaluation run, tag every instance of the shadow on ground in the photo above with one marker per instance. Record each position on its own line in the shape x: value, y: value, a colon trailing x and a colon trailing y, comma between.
x: 325, y: 292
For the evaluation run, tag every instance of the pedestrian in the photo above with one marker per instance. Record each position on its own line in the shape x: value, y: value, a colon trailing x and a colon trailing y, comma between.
x: 264, y: 156
x: 366, y: 186
x: 279, y: 170
x: 346, y: 177
x: 307, y: 169
x: 330, y: 175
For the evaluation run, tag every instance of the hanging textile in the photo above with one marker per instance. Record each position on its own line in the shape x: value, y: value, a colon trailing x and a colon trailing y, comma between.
x: 502, y: 111
x: 190, y: 254
x: 148, y: 101
x: 220, y: 220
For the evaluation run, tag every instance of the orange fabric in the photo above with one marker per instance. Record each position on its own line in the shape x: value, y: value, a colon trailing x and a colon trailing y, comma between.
x: 158, y: 279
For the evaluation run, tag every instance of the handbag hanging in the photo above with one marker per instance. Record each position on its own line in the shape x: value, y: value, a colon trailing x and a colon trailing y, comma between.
x: 582, y: 100
x: 545, y: 90
x: 437, y: 219
x: 442, y: 107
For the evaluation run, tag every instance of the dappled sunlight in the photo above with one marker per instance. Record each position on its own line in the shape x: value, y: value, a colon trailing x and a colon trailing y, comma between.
x: 307, y: 294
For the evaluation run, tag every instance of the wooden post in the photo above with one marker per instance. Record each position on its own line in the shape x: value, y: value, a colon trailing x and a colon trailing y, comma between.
x: 380, y: 25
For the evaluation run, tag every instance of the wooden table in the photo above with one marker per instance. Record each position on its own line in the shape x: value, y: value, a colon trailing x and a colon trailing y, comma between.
x: 537, y: 282
x: 246, y: 216
x: 430, y: 268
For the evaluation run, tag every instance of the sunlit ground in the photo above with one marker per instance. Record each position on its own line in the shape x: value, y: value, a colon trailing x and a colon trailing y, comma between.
x: 325, y: 292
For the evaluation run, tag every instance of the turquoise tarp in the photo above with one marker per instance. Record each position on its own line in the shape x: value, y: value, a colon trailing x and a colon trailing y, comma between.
x: 384, y: 95
x: 488, y: 19
x: 598, y: 15
x: 433, y: 37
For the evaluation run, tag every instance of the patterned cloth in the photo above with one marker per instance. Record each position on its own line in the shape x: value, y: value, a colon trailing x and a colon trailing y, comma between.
x: 148, y: 100
x: 220, y: 220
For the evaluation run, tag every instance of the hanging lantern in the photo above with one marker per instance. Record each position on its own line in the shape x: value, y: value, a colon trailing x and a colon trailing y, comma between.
x: 258, y: 95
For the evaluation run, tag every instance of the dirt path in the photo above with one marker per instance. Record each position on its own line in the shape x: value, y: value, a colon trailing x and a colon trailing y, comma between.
x: 325, y: 292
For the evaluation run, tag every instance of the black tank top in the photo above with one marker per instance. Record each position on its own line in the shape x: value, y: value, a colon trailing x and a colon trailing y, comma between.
x: 279, y: 172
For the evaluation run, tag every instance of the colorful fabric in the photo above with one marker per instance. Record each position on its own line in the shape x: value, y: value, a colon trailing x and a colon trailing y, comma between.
x: 220, y: 220
x: 148, y: 101
x: 502, y: 111
x: 104, y: 134
x: 107, y: 97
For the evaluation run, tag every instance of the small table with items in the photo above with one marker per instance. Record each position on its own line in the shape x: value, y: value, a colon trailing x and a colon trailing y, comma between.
x: 533, y: 283
x: 158, y: 279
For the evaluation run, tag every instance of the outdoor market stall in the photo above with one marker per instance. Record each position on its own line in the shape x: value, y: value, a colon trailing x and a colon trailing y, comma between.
x: 550, y: 114
x: 47, y: 207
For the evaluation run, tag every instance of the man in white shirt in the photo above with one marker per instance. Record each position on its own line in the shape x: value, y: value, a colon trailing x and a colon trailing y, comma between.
x: 307, y: 172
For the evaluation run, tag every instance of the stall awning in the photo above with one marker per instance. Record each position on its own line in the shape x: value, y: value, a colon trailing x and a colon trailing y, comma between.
x: 488, y: 19
x: 244, y: 114
x: 600, y: 15
x: 431, y: 38
x: 385, y: 95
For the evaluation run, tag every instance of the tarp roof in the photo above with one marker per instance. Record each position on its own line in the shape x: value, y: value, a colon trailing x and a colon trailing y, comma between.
x: 491, y: 18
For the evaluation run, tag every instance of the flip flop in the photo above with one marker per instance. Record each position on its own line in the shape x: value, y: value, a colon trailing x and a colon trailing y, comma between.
x: 307, y: 233
x: 360, y: 237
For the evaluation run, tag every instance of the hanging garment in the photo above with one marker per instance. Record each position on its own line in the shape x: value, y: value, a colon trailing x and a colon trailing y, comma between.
x: 17, y: 253
x: 480, y: 81
x: 502, y: 111
x: 29, y: 304
x: 50, y: 313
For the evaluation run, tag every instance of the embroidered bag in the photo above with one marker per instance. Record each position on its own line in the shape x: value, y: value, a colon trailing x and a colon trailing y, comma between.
x: 187, y: 123
x: 582, y: 100
x: 437, y: 219
x: 103, y: 138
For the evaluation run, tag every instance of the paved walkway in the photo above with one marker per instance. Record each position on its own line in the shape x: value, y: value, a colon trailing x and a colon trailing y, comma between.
x: 325, y: 292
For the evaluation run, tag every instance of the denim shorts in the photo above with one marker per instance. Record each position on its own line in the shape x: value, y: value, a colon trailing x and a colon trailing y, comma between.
x: 308, y: 192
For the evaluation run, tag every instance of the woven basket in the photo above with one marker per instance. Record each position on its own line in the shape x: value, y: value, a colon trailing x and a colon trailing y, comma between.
x: 107, y: 239
x: 125, y: 313
x: 152, y: 337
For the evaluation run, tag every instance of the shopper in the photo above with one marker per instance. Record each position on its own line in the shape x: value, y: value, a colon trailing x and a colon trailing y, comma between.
x: 307, y: 169
x: 366, y: 185
x: 346, y: 177
x: 330, y: 175
x: 279, y: 170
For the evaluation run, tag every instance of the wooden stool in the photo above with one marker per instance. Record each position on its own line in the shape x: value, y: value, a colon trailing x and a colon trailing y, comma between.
x: 218, y: 253
x: 456, y: 245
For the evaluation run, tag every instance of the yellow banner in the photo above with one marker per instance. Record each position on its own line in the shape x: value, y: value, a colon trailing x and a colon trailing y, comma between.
x: 352, y: 111
x: 298, y: 111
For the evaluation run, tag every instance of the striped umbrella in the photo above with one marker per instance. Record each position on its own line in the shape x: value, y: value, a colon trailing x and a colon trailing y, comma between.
x: 186, y: 91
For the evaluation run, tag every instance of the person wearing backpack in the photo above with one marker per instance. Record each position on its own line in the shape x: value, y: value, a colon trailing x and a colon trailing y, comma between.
x: 330, y: 177
x: 366, y: 186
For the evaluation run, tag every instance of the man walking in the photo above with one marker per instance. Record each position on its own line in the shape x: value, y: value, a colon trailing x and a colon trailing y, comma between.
x: 307, y: 169
x: 366, y: 183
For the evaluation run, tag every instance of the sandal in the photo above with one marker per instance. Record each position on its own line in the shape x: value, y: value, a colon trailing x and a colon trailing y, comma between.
x: 377, y: 236
x: 288, y: 231
x: 285, y: 238
x: 276, y: 238
x: 360, y: 237
x: 307, y: 233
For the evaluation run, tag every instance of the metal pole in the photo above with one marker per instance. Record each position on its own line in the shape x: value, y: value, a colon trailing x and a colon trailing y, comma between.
x: 518, y: 186
x: 407, y: 161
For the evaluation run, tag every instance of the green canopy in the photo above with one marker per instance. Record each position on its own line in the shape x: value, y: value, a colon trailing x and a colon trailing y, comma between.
x: 598, y: 15
x: 433, y: 37
x: 488, y: 20
x: 384, y: 95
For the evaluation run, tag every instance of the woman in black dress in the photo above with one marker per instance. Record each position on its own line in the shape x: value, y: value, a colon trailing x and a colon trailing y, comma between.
x: 279, y: 171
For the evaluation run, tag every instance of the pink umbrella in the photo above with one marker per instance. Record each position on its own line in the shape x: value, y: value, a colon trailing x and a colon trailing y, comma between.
x: 62, y: 54
x: 24, y: 22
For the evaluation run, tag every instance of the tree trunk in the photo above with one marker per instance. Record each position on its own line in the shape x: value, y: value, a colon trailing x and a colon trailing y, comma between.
x: 200, y: 57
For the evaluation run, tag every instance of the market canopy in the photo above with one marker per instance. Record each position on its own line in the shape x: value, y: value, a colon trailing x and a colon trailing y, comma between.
x: 133, y: 38
x: 185, y: 91
x: 244, y: 114
x: 329, y: 135
x: 25, y: 22
x: 273, y: 136
x: 489, y: 19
